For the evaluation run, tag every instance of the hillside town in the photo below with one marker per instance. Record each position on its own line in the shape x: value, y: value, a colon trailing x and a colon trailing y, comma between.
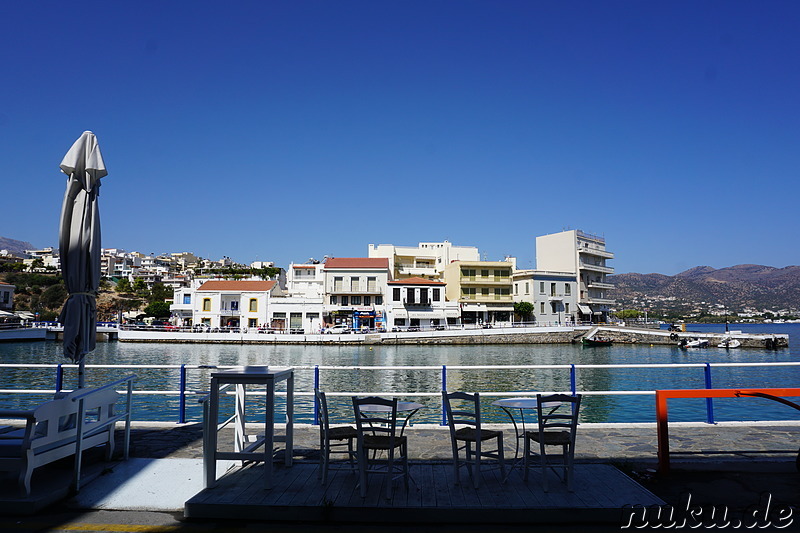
x: 433, y: 285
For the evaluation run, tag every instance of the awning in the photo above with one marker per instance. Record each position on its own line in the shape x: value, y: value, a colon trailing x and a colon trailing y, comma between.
x: 426, y: 315
x: 585, y: 309
x: 399, y: 313
x: 452, y: 313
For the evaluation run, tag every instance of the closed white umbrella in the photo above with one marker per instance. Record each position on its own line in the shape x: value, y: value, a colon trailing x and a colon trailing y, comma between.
x: 79, y: 247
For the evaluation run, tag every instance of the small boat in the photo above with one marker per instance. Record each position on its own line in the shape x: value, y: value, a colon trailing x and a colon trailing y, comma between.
x: 596, y: 341
x: 694, y: 343
x: 729, y: 342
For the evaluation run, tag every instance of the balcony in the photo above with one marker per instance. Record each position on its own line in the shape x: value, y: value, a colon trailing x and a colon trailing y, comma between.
x: 599, y: 285
x: 595, y: 252
x: 357, y: 292
x: 465, y: 280
x: 426, y: 302
x: 601, y: 301
x: 416, y: 270
x: 596, y: 268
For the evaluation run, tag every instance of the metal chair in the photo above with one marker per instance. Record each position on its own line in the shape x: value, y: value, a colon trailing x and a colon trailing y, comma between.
x: 556, y: 428
x: 333, y: 439
x: 376, y: 425
x: 467, y: 413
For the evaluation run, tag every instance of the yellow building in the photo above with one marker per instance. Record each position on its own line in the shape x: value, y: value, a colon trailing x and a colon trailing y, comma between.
x: 483, y: 289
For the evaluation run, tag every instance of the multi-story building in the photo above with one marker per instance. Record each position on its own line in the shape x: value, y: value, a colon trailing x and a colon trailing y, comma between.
x: 427, y: 260
x: 584, y: 256
x: 306, y: 280
x: 483, y: 290
x: 554, y: 295
x: 223, y: 303
x: 354, y: 291
x: 418, y: 303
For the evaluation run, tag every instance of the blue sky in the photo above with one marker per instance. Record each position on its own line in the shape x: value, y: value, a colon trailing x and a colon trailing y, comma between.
x: 288, y: 130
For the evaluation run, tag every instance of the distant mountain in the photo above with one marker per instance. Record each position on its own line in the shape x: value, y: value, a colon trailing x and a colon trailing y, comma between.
x: 15, y: 247
x: 736, y: 288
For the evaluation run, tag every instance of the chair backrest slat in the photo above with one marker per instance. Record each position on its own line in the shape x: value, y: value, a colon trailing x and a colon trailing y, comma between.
x: 553, y: 418
x: 462, y: 408
x: 381, y: 420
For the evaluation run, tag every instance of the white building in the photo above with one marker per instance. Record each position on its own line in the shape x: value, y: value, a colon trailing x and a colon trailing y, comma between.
x: 222, y: 303
x: 584, y: 256
x: 426, y: 260
x: 355, y: 288
x: 554, y: 295
x: 306, y: 280
x: 289, y: 314
x: 6, y: 296
x: 418, y: 303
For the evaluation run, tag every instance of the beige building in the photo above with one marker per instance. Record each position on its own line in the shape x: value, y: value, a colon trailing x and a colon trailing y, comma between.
x: 426, y: 260
x: 584, y: 256
x: 483, y: 289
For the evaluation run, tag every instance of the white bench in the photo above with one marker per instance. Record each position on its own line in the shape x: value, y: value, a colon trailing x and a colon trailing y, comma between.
x: 60, y: 428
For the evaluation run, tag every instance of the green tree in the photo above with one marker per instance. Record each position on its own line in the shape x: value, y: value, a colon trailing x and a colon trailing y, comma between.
x: 159, y: 293
x: 124, y: 286
x: 628, y: 314
x: 524, y: 310
x: 53, y: 297
x: 157, y: 309
x: 139, y: 287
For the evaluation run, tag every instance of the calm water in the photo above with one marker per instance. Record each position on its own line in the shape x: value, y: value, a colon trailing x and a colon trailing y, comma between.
x: 604, y: 408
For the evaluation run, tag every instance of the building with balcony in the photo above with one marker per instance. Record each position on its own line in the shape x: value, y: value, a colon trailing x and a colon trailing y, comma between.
x: 223, y: 303
x: 483, y: 290
x: 426, y: 260
x: 554, y: 295
x: 355, y: 290
x: 305, y: 280
x: 418, y: 303
x: 585, y: 256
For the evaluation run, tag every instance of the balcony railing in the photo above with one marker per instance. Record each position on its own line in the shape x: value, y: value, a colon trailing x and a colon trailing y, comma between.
x: 426, y: 301
x: 601, y: 301
x: 596, y: 268
x: 599, y: 285
x: 595, y: 252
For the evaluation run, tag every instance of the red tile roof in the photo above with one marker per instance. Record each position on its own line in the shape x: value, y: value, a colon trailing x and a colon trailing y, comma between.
x: 357, y: 262
x: 416, y: 281
x: 304, y: 266
x: 244, y: 286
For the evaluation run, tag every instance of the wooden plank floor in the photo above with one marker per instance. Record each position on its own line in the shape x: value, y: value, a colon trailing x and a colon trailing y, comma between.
x: 601, y: 491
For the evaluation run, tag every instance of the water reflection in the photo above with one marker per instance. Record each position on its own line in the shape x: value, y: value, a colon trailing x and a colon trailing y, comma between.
x: 595, y: 408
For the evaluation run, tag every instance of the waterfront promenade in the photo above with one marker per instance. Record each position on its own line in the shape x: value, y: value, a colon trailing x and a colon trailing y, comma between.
x: 728, y: 464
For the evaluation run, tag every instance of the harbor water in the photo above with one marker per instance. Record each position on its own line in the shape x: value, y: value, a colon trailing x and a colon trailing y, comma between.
x: 363, y: 375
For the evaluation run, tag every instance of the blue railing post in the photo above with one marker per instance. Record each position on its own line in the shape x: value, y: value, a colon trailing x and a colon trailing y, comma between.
x: 572, y: 381
x: 182, y: 398
x: 59, y: 378
x: 316, y: 386
x: 709, y: 401
x: 444, y: 389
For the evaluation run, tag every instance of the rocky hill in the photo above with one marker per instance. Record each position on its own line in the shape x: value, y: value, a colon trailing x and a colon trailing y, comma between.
x: 735, y: 288
x: 13, y: 246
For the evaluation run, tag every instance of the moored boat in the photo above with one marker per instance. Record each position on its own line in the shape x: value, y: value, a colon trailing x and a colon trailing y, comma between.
x: 596, y: 341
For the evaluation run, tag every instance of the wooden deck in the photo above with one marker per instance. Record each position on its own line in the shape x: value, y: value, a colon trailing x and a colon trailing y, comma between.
x: 601, y: 491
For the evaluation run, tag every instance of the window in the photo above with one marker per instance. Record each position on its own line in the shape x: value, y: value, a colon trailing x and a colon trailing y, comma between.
x: 468, y: 292
x: 437, y: 295
x: 516, y: 289
x: 333, y: 300
x: 338, y: 283
x: 344, y: 300
x: 396, y: 294
x: 372, y: 284
x: 252, y: 322
x: 566, y: 307
x: 552, y: 289
x: 206, y: 304
x: 367, y: 300
x: 234, y: 306
x: 526, y: 288
x: 485, y: 291
x: 567, y: 289
x: 541, y: 287
x: 541, y: 307
x: 253, y: 305
x: 206, y: 321
x: 379, y: 300
x: 423, y: 296
x: 468, y: 273
x: 399, y: 322
x: 411, y: 296
x: 187, y: 299
x: 485, y: 273
x: 355, y: 284
x: 355, y: 300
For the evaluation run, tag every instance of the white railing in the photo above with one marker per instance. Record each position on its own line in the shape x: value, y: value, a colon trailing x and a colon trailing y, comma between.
x: 184, y: 391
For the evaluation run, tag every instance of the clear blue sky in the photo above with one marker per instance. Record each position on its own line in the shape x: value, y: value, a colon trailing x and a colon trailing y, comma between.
x: 287, y: 130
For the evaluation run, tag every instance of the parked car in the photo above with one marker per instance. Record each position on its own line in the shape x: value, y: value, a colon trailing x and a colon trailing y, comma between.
x: 338, y: 329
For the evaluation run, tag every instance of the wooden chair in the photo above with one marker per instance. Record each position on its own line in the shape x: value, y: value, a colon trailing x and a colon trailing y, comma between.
x: 333, y: 440
x: 376, y: 425
x: 464, y: 409
x: 557, y: 428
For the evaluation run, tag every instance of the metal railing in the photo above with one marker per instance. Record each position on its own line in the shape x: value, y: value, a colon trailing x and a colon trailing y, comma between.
x: 184, y: 391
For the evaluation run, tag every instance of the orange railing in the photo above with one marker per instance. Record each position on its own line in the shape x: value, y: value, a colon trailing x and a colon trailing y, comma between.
x: 662, y: 414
